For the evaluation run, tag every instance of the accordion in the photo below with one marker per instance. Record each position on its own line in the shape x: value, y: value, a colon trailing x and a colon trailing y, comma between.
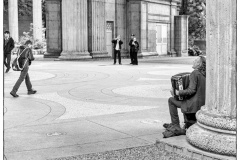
x: 180, y: 81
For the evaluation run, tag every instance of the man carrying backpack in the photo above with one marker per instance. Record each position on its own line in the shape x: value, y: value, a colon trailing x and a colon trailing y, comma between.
x: 24, y: 60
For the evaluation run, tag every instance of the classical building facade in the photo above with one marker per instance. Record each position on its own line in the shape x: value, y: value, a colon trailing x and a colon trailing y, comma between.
x: 79, y: 29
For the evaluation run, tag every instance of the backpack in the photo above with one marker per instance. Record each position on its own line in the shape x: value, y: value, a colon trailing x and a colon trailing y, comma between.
x: 15, y: 63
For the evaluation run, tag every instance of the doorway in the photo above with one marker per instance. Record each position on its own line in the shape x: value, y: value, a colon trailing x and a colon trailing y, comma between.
x: 161, y: 38
x: 109, y: 37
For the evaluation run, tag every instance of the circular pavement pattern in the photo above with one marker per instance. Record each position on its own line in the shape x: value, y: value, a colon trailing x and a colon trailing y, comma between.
x: 147, y: 91
x: 13, y: 76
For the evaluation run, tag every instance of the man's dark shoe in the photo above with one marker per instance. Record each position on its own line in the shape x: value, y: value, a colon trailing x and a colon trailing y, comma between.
x: 120, y: 63
x: 32, y: 92
x: 14, y: 94
x: 167, y: 125
x: 114, y: 63
x: 7, y: 70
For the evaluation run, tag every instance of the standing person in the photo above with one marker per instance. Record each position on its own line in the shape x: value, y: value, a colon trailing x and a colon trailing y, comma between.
x: 134, y: 50
x: 8, y: 46
x: 131, y: 52
x: 24, y: 62
x: 117, y: 49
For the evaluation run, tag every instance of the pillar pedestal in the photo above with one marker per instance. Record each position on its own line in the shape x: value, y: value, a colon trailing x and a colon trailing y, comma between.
x: 74, y: 30
x: 215, y: 130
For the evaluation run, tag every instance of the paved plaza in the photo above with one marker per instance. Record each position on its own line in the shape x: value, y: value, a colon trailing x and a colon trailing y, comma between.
x: 84, y: 107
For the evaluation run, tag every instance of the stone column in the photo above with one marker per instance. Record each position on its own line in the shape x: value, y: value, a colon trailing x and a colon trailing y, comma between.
x: 97, y: 29
x: 120, y: 24
x: 53, y: 28
x: 215, y: 130
x: 37, y: 20
x: 74, y: 30
x: 13, y: 19
x: 181, y: 35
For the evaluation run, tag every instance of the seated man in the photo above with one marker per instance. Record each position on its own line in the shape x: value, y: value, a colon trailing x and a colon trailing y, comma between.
x: 189, y: 107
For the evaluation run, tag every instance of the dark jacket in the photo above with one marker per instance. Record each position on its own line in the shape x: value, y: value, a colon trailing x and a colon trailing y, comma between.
x: 196, y: 90
x: 9, y: 46
x: 115, y: 43
x: 26, y: 55
x: 134, y: 48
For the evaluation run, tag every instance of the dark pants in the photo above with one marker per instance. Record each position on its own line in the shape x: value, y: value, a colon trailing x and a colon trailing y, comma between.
x: 189, y: 118
x: 115, y: 56
x: 23, y: 75
x: 7, y: 60
x: 131, y: 56
x: 135, y: 59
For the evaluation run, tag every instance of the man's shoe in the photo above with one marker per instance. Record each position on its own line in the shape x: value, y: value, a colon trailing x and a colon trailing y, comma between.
x: 114, y: 63
x: 7, y: 70
x: 32, y: 92
x: 167, y: 125
x: 120, y: 63
x: 14, y: 94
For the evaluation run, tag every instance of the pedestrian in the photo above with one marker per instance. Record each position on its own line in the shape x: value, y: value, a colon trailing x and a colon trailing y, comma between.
x: 130, y: 43
x: 117, y: 49
x: 25, y: 59
x: 8, y: 47
x: 134, y: 50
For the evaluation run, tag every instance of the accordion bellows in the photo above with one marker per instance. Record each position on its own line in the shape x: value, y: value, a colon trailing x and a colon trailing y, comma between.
x: 180, y: 81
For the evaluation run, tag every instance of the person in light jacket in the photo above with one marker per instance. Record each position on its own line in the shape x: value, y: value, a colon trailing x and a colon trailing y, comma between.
x: 24, y: 62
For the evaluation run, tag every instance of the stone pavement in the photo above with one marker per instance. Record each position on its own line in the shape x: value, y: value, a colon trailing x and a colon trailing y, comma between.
x: 84, y: 107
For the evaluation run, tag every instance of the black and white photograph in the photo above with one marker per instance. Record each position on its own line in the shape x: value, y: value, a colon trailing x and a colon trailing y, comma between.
x: 119, y: 80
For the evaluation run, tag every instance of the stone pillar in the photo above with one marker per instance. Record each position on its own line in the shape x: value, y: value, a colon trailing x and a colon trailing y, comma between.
x: 97, y: 29
x: 121, y: 25
x: 53, y: 28
x: 13, y: 19
x: 37, y: 20
x: 74, y: 30
x: 215, y: 130
x: 181, y: 35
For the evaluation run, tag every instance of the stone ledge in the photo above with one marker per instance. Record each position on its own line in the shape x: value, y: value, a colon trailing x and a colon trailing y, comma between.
x: 175, y: 148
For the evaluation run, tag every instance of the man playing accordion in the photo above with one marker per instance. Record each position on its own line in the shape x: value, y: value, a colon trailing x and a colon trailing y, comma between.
x: 195, y: 93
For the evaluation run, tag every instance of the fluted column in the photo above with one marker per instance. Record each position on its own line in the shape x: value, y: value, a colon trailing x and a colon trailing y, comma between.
x: 37, y: 20
x: 97, y: 28
x: 74, y: 30
x: 215, y: 130
x: 13, y: 19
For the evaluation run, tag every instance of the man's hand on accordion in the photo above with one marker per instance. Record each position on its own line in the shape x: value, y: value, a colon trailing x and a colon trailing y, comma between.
x: 177, y: 92
x: 171, y: 91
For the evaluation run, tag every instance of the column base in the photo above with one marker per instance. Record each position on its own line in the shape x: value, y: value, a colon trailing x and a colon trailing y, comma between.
x: 99, y: 54
x: 212, y: 141
x: 147, y: 54
x: 52, y: 54
x: 65, y: 55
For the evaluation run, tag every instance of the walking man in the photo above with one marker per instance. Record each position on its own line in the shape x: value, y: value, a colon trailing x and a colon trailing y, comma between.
x: 24, y: 63
x: 131, y: 52
x: 8, y: 46
x: 117, y: 49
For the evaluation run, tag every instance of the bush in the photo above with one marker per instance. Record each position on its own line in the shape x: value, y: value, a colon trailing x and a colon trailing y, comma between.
x: 194, y: 51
